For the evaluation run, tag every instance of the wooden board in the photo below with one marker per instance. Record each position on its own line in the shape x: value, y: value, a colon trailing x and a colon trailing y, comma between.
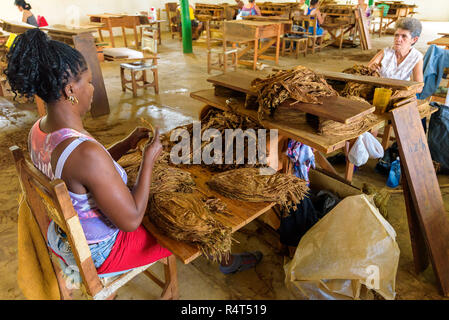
x: 362, y: 25
x: 242, y: 213
x: 85, y: 43
x: 424, y: 190
x: 241, y: 81
x: 15, y: 26
x: 376, y: 81
x: 289, y: 122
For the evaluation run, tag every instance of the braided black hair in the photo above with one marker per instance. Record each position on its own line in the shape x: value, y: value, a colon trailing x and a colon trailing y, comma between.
x: 43, y: 67
x: 23, y: 4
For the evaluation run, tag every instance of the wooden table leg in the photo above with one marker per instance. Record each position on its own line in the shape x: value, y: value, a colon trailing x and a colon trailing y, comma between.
x: 101, y: 35
x: 256, y: 48
x: 136, y: 37
x: 388, y: 129
x: 278, y: 44
x: 124, y: 36
x: 324, y: 163
x: 349, y: 172
x: 111, y: 35
x: 159, y: 32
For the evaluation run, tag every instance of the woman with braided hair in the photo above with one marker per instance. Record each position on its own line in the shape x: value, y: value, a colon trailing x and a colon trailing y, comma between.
x: 60, y: 147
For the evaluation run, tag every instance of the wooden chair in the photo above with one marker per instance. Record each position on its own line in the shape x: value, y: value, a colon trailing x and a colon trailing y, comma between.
x: 173, y: 19
x: 306, y: 22
x: 50, y: 200
x: 149, y: 62
x: 222, y: 53
x: 299, y: 43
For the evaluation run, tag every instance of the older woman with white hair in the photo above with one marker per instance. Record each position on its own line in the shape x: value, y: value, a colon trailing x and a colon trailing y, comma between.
x: 402, y: 61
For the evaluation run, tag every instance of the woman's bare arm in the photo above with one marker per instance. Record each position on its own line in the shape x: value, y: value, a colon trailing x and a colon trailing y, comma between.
x: 90, y: 167
x: 417, y: 74
x: 375, y: 62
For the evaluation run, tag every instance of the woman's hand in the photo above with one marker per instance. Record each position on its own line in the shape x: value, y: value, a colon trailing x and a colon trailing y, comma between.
x: 137, y: 135
x: 153, y: 150
x: 375, y: 66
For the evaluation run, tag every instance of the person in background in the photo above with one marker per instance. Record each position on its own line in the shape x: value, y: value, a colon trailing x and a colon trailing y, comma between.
x: 365, y: 10
x: 402, y: 61
x: 314, y: 11
x: 27, y: 15
x: 240, y: 4
x: 197, y: 26
x: 250, y: 9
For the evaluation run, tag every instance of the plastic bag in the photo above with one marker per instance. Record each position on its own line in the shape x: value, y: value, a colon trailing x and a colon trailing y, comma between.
x: 358, y: 155
x: 349, y: 252
x: 373, y: 146
x: 395, y: 174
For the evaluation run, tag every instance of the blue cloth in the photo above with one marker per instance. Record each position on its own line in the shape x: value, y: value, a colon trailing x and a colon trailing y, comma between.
x: 99, y: 251
x: 435, y: 60
x: 302, y: 157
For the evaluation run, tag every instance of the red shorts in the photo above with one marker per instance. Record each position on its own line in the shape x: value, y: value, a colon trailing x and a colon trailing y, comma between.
x: 132, y: 250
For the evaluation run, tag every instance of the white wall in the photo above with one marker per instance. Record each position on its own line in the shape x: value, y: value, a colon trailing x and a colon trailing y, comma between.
x: 58, y: 11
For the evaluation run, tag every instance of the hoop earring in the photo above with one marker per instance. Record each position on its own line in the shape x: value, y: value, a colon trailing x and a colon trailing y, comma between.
x: 73, y: 100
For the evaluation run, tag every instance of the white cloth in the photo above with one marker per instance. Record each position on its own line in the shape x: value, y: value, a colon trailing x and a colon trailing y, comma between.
x: 390, y: 68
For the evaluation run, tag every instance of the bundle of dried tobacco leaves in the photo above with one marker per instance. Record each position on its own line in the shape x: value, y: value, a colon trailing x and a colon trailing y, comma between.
x: 186, y: 217
x: 219, y: 120
x: 247, y: 184
x: 300, y: 84
x: 361, y: 90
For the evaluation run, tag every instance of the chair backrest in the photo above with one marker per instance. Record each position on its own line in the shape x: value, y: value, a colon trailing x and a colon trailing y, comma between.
x: 149, y: 39
x: 212, y: 29
x: 50, y: 200
x: 307, y: 22
x: 172, y: 15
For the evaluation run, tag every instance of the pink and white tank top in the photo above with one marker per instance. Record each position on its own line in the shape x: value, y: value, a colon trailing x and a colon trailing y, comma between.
x: 96, y: 226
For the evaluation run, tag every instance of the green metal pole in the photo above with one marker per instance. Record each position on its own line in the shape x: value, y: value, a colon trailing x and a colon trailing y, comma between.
x: 186, y: 27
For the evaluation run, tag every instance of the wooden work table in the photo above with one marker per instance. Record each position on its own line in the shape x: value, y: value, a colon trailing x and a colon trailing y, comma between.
x: 249, y: 33
x: 241, y: 213
x: 292, y: 124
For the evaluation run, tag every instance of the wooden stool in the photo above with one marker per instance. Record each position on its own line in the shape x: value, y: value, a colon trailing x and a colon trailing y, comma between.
x: 300, y: 42
x: 141, y: 82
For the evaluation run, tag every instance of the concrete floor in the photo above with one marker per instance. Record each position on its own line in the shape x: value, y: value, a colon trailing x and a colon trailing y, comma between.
x: 179, y: 75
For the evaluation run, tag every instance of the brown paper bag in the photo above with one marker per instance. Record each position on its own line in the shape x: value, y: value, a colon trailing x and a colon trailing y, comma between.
x: 349, y: 251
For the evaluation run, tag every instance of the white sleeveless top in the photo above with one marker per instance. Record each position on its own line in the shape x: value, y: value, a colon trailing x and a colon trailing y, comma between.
x: 390, y: 68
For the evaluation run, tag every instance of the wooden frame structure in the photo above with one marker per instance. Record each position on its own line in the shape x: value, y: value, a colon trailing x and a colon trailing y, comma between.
x: 117, y: 20
x: 397, y: 10
x: 50, y: 200
x: 249, y: 33
x: 222, y: 52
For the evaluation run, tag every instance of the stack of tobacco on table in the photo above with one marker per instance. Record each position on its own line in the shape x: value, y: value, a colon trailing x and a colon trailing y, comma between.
x: 361, y: 90
x: 186, y: 217
x: 219, y: 120
x: 355, y: 91
x: 180, y: 210
x: 366, y: 91
x: 300, y: 84
x: 247, y: 184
